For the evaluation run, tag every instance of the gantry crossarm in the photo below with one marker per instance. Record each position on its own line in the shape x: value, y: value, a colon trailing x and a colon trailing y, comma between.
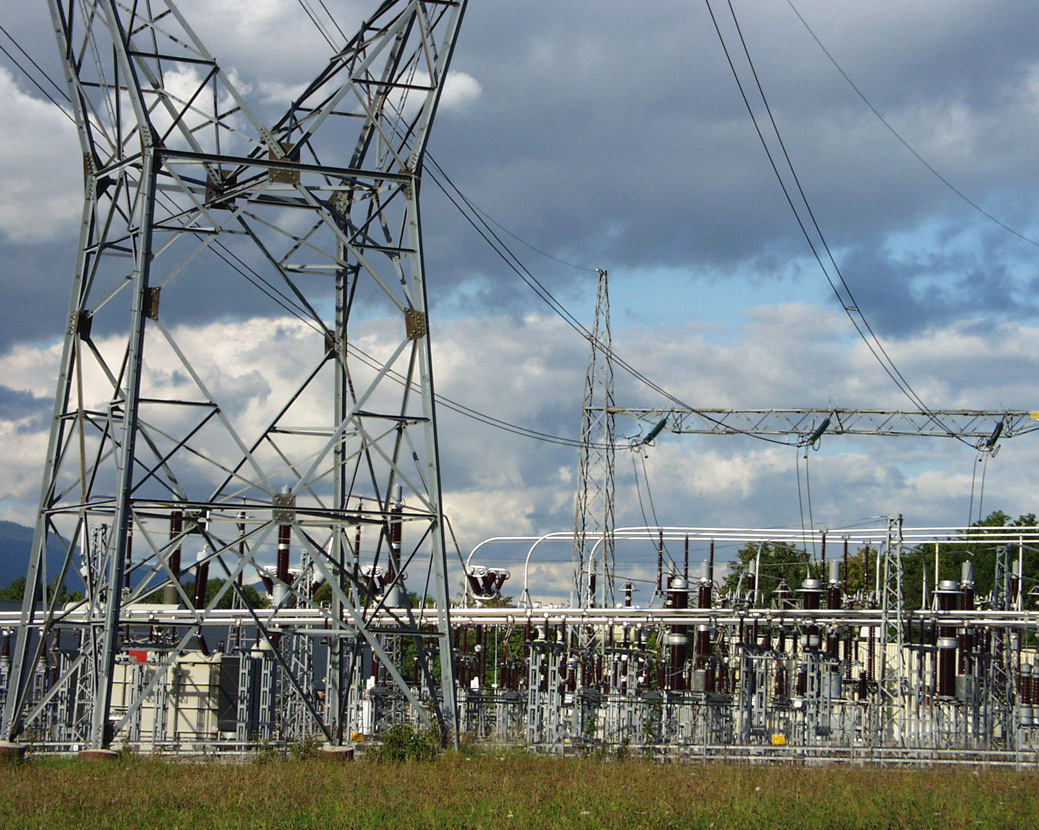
x: 984, y: 427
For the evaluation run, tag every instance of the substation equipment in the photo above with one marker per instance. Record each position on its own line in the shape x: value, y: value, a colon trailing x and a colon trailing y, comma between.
x: 812, y: 672
x: 703, y: 671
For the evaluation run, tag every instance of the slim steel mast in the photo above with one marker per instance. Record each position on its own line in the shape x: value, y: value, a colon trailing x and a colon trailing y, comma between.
x: 594, y: 510
x: 196, y: 196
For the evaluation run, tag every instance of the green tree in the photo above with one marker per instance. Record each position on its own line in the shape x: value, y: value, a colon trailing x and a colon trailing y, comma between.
x: 16, y: 591
x: 970, y: 546
x: 780, y: 563
x: 253, y: 598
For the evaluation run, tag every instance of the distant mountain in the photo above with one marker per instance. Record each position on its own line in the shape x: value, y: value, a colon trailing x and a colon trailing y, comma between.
x: 15, y: 547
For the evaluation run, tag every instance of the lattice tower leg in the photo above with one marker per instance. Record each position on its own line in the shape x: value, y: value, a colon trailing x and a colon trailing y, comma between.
x: 187, y: 181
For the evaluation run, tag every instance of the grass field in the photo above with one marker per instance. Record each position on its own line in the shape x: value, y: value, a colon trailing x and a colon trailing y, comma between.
x: 501, y: 791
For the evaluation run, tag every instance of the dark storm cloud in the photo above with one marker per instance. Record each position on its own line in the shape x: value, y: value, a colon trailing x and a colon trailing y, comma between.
x: 34, y: 292
x: 982, y: 276
x: 18, y: 404
x: 619, y: 137
x: 614, y: 135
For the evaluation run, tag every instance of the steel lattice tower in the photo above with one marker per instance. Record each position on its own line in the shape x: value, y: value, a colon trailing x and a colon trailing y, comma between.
x: 593, y: 521
x: 893, y: 682
x: 194, y: 196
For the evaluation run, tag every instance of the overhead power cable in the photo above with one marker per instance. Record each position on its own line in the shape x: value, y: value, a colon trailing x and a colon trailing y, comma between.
x: 847, y: 298
x: 469, y: 212
x: 39, y: 69
x: 902, y: 140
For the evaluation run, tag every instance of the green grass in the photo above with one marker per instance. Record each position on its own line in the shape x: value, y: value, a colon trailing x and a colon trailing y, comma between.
x: 502, y: 791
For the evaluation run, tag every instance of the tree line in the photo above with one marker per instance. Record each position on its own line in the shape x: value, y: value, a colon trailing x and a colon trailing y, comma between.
x: 786, y: 565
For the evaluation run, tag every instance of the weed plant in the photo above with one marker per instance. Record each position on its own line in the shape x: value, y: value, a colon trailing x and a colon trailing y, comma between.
x: 507, y: 791
x: 402, y: 743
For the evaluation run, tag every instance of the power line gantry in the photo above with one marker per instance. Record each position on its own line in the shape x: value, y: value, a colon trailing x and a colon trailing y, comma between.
x: 984, y: 428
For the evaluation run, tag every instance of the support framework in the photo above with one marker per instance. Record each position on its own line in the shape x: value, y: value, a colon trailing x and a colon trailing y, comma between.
x: 593, y: 522
x: 984, y: 427
x: 196, y: 198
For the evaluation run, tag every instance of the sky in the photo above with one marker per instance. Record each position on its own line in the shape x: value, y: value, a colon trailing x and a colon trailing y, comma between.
x: 615, y: 136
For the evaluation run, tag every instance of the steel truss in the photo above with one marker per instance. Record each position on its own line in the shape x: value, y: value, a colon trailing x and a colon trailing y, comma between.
x: 984, y: 427
x: 195, y: 197
x: 594, y: 508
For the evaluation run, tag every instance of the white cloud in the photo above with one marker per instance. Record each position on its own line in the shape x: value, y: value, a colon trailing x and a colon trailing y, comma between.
x: 460, y: 91
x: 531, y: 372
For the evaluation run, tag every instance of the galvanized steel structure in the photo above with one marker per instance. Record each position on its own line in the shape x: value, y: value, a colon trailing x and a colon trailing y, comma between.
x: 707, y: 669
x: 194, y: 196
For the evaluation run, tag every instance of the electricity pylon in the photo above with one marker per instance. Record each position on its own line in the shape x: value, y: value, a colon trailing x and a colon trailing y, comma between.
x: 197, y: 198
x: 594, y: 512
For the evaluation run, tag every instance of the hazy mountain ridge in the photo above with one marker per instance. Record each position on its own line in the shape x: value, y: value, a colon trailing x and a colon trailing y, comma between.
x: 15, y: 548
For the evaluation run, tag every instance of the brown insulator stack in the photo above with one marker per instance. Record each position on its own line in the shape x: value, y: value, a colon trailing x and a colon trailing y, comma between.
x: 948, y: 595
x: 169, y: 593
x: 834, y: 594
x: 284, y: 542
x: 703, y: 596
x: 811, y: 597
x: 780, y: 690
x: 871, y: 656
x: 965, y: 664
x: 721, y: 662
x: 702, y: 640
x: 678, y: 639
x: 201, y: 583
x: 966, y: 647
x: 801, y: 683
x: 833, y: 642
x: 811, y: 593
x: 703, y: 646
x: 1033, y: 690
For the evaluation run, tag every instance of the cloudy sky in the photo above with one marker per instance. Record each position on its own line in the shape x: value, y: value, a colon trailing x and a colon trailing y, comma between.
x: 615, y: 136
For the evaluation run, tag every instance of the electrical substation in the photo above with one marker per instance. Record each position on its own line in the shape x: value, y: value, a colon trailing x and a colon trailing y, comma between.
x: 170, y: 505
